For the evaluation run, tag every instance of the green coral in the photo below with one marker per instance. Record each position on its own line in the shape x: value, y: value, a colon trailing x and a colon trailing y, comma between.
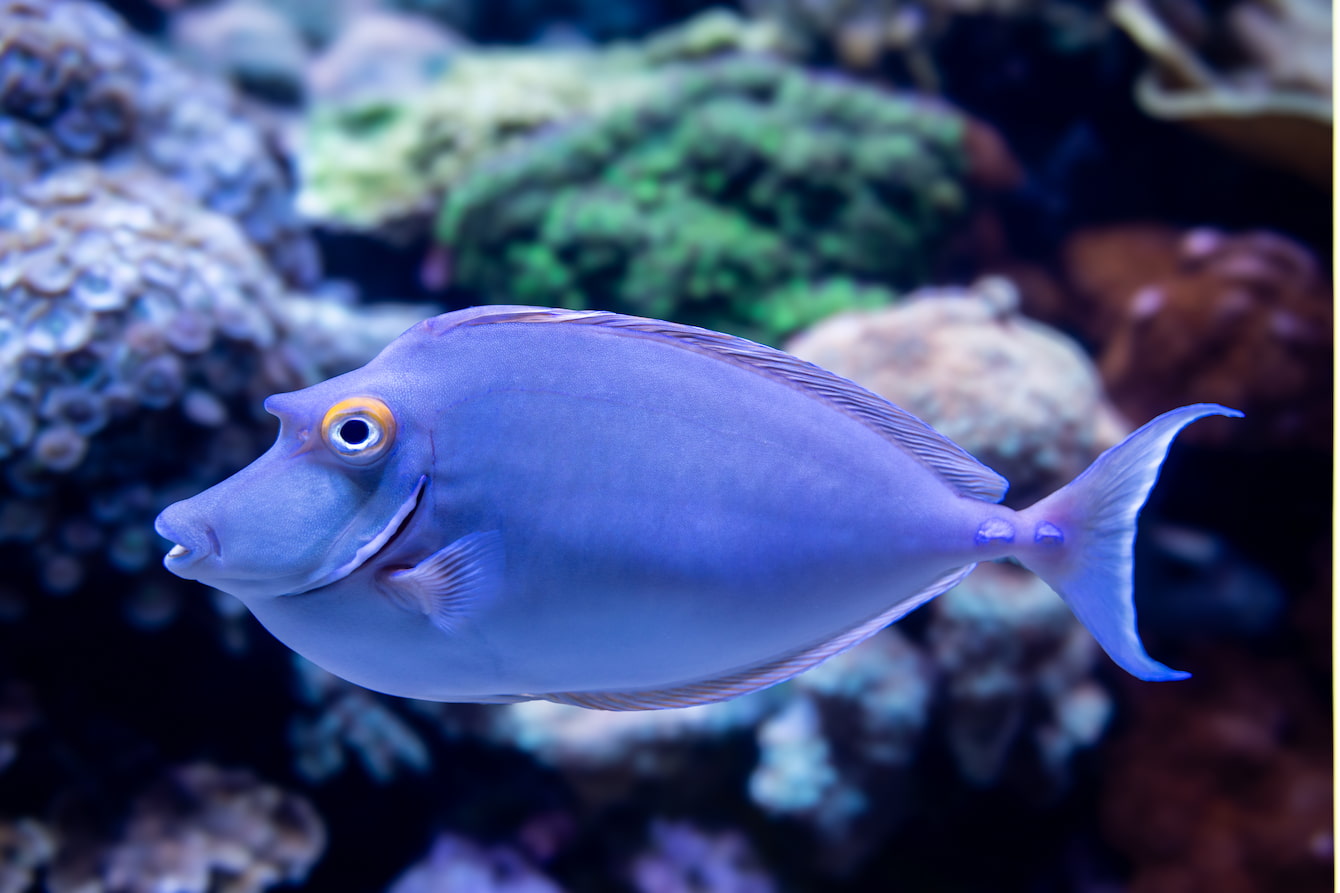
x: 379, y: 162
x: 748, y: 195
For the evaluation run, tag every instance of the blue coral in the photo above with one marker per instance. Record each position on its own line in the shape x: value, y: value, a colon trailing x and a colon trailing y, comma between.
x: 75, y: 85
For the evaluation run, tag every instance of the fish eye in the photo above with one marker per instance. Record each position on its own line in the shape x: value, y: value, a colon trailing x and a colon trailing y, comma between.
x: 359, y: 430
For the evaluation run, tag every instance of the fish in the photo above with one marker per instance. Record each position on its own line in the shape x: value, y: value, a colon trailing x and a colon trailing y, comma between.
x: 512, y: 503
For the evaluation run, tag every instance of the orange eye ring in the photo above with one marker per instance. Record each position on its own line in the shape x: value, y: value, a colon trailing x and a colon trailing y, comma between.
x: 359, y: 430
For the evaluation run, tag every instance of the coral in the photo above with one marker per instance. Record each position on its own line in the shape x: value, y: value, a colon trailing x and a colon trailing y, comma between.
x: 380, y: 57
x: 1251, y: 73
x: 129, y: 317
x: 1018, y: 395
x: 79, y: 87
x: 719, y: 201
x: 457, y: 864
x: 334, y: 333
x: 1008, y: 648
x: 386, y: 161
x: 684, y: 859
x: 350, y: 718
x: 853, y: 725
x: 246, y: 41
x: 201, y: 829
x: 1224, y: 783
x: 1239, y: 319
x: 861, y: 33
x: 26, y: 845
x: 905, y: 38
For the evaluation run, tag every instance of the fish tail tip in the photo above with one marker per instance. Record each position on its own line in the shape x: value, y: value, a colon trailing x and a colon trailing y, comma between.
x: 1083, y: 545
x: 1157, y: 672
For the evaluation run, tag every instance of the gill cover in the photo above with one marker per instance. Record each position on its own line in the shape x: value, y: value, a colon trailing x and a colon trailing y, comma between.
x: 330, y: 492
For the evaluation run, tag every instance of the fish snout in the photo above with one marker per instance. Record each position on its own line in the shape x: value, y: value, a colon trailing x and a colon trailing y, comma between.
x: 193, y: 540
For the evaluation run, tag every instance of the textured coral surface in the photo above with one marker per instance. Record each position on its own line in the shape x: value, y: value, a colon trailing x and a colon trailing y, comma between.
x: 751, y: 196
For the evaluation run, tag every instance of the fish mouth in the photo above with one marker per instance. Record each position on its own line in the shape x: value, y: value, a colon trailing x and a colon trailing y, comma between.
x: 369, y: 550
x: 189, y: 546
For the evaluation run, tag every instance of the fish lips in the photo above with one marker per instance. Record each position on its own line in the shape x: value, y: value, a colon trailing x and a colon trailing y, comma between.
x: 192, y: 543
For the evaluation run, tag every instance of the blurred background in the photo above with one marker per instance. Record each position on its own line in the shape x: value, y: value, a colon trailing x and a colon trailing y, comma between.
x: 1034, y: 223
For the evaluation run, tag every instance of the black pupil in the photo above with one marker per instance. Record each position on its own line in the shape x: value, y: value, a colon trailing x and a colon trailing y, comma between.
x: 355, y: 432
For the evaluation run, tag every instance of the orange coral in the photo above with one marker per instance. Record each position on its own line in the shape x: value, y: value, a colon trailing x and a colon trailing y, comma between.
x: 1224, y: 783
x: 1243, y: 320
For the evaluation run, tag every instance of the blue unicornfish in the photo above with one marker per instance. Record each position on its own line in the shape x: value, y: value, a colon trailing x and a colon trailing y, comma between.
x: 512, y: 503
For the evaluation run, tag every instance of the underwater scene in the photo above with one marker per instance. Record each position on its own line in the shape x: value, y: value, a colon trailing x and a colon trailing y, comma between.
x: 603, y: 597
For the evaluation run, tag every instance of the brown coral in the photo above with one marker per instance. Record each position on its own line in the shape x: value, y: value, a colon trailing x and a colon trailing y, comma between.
x: 1243, y: 320
x: 1224, y: 783
x: 1254, y: 74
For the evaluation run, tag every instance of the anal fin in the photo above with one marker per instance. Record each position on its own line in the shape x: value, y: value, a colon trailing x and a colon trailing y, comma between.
x: 449, y: 585
x: 759, y: 676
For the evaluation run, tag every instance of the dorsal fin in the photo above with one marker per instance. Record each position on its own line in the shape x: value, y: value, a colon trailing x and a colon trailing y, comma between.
x: 931, y: 448
x: 750, y: 679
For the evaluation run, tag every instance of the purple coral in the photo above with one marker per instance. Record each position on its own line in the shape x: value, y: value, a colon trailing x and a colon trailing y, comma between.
x: 76, y: 85
x: 682, y: 858
x: 118, y: 297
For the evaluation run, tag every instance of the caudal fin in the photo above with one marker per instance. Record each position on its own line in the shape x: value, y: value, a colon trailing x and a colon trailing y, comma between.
x: 1083, y: 537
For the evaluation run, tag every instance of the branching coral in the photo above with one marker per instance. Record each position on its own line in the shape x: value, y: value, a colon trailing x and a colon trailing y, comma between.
x: 387, y: 160
x: 684, y: 859
x: 1018, y: 395
x: 201, y: 829
x: 749, y: 196
x: 457, y: 864
x: 26, y: 845
x: 1008, y: 648
x: 76, y: 86
x: 348, y: 718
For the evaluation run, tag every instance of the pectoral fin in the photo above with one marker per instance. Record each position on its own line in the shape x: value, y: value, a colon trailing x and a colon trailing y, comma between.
x: 450, y: 585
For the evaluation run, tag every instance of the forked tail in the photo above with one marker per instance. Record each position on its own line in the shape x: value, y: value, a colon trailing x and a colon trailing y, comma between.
x: 1083, y: 537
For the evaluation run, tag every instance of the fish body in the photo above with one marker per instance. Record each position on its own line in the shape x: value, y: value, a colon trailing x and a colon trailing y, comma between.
x: 514, y: 502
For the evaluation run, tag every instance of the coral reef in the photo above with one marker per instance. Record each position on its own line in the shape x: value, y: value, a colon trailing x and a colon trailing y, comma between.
x: 685, y: 859
x: 904, y: 38
x: 457, y: 864
x: 1225, y: 783
x: 246, y: 41
x: 1239, y: 319
x: 1256, y: 75
x: 1008, y: 649
x: 200, y: 829
x: 25, y: 846
x: 1019, y: 396
x: 130, y: 317
x: 381, y: 56
x: 348, y: 718
x: 385, y: 161
x: 720, y: 201
x: 78, y: 87
x: 860, y: 34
